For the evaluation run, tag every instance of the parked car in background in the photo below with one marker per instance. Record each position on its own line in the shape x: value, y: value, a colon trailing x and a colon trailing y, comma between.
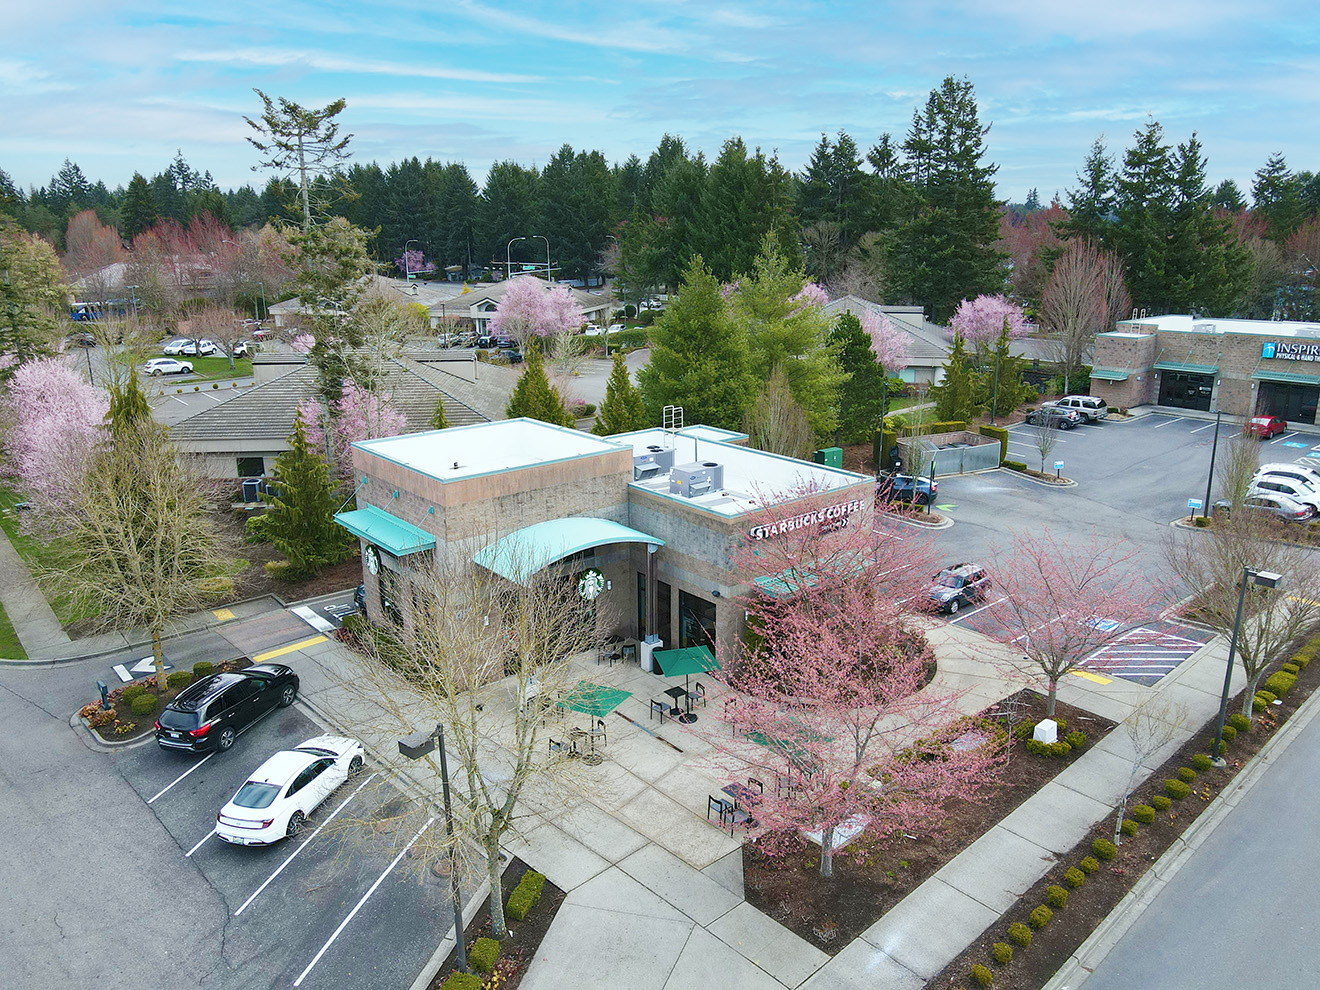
x: 262, y: 333
x: 188, y: 347
x: 958, y: 585
x: 1091, y: 408
x: 1266, y: 427
x: 1295, y: 490
x: 1274, y: 504
x: 1293, y: 471
x: 246, y: 348
x: 1055, y: 416
x: 210, y: 713
x: 167, y: 366
x: 905, y: 488
x: 276, y: 799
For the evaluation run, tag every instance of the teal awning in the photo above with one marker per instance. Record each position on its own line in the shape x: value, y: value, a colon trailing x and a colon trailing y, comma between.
x: 1286, y: 377
x: 386, y: 530
x: 689, y: 660
x: 1187, y: 369
x: 595, y: 700
x: 1110, y: 374
x: 520, y: 555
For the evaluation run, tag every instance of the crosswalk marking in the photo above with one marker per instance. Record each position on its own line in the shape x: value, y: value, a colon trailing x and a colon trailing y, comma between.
x: 305, y: 613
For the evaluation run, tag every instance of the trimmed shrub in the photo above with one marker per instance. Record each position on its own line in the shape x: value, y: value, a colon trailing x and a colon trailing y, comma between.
x: 1040, y: 917
x: 462, y: 981
x: 1050, y: 750
x: 179, y: 679
x: 1230, y: 733
x: 1200, y: 522
x: 1143, y: 813
x: 1019, y: 933
x: 982, y: 975
x: 1291, y: 668
x: 1305, y: 655
x: 1014, y: 465
x: 1177, y: 789
x: 525, y: 895
x: 1129, y: 828
x: 1023, y: 730
x: 483, y: 953
x: 1239, y: 722
x: 998, y: 433
x: 1089, y: 864
x: 280, y: 570
x: 1002, y: 953
x: 202, y: 668
x: 1261, y: 702
x: 1104, y: 849
x: 143, y: 704
x: 1280, y: 683
x: 1076, y: 739
x: 1056, y: 896
x: 1161, y: 802
x: 1201, y: 762
x: 133, y: 691
x: 1074, y: 878
x: 216, y: 588
x: 1186, y: 774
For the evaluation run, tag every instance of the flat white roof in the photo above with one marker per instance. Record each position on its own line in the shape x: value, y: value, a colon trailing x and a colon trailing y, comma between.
x: 752, y: 478
x: 487, y: 448
x: 1211, y: 325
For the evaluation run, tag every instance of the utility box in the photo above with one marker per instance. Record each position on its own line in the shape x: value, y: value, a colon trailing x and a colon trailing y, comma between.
x: 829, y: 456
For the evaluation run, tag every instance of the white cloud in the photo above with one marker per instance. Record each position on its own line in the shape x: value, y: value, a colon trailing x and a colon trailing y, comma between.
x: 340, y: 63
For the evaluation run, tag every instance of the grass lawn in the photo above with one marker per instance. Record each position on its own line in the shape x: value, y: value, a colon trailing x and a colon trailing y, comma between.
x: 10, y: 647
x: 36, y: 555
x: 213, y: 368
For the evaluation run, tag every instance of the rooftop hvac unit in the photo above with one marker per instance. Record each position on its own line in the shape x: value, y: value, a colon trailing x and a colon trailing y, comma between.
x: 656, y: 461
x: 698, y: 478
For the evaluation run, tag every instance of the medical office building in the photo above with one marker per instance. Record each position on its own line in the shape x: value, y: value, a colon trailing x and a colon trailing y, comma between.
x: 659, y: 515
x: 1238, y: 367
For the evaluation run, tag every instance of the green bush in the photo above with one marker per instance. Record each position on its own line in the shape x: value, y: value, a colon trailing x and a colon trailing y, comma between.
x: 280, y: 570
x: 143, y: 704
x: 1019, y: 933
x: 216, y: 589
x: 1262, y: 701
x: 1128, y: 827
x: 202, y: 668
x: 982, y: 975
x: 1230, y: 733
x: 1239, y: 722
x: 1056, y: 896
x: 525, y: 895
x: 1177, y: 789
x: 1089, y: 864
x: 1161, y: 802
x: 462, y: 981
x: 1103, y: 849
x: 1291, y: 668
x: 355, y: 624
x: 1076, y: 739
x: 1023, y: 730
x: 133, y: 692
x: 1201, y: 762
x: 1186, y: 774
x: 483, y: 953
x: 1280, y: 683
x: 1002, y: 953
x: 1074, y: 878
x: 1014, y: 465
x: 1040, y: 917
x: 1049, y: 750
x: 1305, y: 655
x: 179, y: 679
x: 1143, y: 813
x: 1200, y: 522
x: 1000, y: 434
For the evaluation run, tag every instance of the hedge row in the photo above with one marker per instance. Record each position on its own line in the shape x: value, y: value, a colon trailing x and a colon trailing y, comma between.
x: 525, y: 895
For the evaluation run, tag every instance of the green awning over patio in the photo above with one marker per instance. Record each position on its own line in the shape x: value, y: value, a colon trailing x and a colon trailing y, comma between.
x: 521, y: 554
x: 1110, y: 374
x: 689, y: 660
x: 596, y: 700
x: 386, y: 530
x: 1181, y: 366
x: 1285, y: 377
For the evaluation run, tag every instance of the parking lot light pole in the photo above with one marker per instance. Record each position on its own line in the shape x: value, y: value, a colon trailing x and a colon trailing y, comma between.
x: 1265, y: 579
x: 1209, y: 480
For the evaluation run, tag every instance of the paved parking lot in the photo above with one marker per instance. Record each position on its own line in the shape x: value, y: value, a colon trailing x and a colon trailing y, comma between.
x: 338, y: 906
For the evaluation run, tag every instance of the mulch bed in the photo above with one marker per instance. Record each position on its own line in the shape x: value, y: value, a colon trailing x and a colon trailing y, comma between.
x: 117, y: 731
x: 830, y: 913
x: 1033, y: 966
x: 520, y: 948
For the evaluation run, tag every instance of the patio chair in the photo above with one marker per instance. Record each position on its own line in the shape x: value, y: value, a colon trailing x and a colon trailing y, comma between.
x: 599, y: 732
x: 558, y: 747
x: 699, y: 694
x: 735, y: 816
x: 629, y: 653
x: 660, y: 706
x: 721, y: 807
x: 753, y: 782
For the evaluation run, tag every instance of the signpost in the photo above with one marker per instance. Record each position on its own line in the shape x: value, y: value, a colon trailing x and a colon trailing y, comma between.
x: 1058, y: 466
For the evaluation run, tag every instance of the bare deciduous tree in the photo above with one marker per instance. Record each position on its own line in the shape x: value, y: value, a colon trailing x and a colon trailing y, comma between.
x: 1084, y: 296
x: 776, y: 423
x: 1236, y: 467
x: 219, y: 324
x: 1044, y: 435
x: 1153, y: 725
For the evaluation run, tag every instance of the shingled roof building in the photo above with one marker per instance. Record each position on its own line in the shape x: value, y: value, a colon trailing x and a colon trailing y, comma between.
x: 927, y: 351
x: 241, y: 436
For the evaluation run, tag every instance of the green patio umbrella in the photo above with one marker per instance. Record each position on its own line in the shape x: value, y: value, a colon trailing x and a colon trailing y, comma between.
x: 596, y: 700
x: 687, y: 661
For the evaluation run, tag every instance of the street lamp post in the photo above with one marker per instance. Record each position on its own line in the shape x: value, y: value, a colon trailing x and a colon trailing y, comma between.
x: 548, y: 279
x: 264, y: 312
x: 414, y: 748
x: 1265, y: 579
x: 508, y: 256
x: 133, y: 296
x: 1214, y: 449
x: 407, y: 270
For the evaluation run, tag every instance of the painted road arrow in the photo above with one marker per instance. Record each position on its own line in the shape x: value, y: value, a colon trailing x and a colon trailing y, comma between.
x: 144, y: 666
x: 946, y: 508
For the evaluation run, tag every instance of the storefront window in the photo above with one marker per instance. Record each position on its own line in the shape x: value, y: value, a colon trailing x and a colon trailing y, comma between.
x: 696, y: 621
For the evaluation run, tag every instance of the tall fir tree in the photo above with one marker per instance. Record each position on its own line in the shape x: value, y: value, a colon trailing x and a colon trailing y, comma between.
x: 1000, y: 385
x: 1143, y: 200
x: 861, y: 396
x: 139, y: 211
x: 956, y: 396
x: 533, y: 397
x: 1207, y: 269
x: 623, y: 409
x: 1275, y: 198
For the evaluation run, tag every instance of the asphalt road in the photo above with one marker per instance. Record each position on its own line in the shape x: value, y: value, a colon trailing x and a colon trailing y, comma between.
x: 1242, y: 912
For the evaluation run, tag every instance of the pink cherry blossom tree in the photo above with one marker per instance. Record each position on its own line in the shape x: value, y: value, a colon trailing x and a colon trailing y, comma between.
x: 57, y: 419
x: 360, y: 415
x: 531, y: 308
x: 1064, y: 599
x: 980, y: 321
x: 888, y: 342
x: 413, y: 262
x: 810, y: 294
x: 828, y: 700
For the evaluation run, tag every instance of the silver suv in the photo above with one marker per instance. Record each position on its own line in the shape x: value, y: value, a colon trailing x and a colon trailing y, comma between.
x: 1092, y: 409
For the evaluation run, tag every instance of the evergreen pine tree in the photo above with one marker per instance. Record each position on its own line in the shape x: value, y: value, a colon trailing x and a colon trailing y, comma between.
x: 955, y: 396
x: 623, y: 409
x: 139, y: 210
x: 534, y: 398
x: 1275, y: 197
x: 1091, y: 205
x: 128, y: 406
x: 1144, y: 192
x: 1000, y: 381
x: 438, y: 419
x: 300, y: 516
x: 860, y: 397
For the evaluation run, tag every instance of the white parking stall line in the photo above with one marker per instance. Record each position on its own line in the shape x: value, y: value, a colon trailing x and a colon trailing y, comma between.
x: 189, y: 853
x: 379, y: 880
x: 1176, y: 419
x: 312, y: 619
x: 1208, y: 426
x: 302, y: 846
x: 975, y: 611
x: 1027, y: 635
x: 178, y: 400
x: 181, y: 776
x: 122, y: 671
x: 1286, y: 436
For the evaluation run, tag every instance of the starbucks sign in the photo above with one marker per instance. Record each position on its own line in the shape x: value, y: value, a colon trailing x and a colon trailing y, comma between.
x: 591, y: 583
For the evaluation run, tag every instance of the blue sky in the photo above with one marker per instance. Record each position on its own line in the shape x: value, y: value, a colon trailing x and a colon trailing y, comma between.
x: 118, y: 86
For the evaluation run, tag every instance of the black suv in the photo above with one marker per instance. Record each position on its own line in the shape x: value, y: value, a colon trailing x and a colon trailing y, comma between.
x: 905, y: 488
x: 209, y: 714
x: 958, y: 585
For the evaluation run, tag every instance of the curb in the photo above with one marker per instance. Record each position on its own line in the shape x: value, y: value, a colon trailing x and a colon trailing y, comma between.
x: 1074, y: 973
x: 944, y: 523
x: 94, y: 741
x: 1065, y: 483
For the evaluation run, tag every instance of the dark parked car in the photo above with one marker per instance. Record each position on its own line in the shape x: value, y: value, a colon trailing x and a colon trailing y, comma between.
x: 958, y: 585
x: 1056, y: 416
x: 905, y: 488
x: 209, y: 714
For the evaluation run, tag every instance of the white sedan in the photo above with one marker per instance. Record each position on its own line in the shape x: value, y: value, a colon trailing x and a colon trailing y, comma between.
x: 167, y: 366
x: 275, y: 801
x: 186, y: 346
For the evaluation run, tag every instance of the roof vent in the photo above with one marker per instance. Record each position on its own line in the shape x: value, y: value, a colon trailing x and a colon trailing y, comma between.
x: 691, y: 480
